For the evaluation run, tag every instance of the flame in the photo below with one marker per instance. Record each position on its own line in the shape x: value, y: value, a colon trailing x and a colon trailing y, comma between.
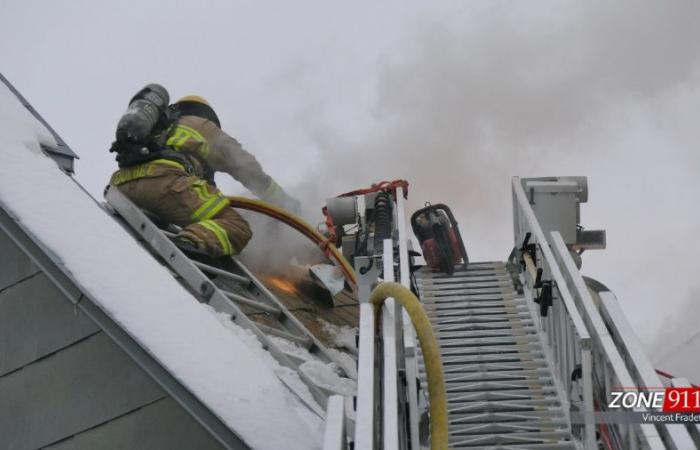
x: 282, y: 284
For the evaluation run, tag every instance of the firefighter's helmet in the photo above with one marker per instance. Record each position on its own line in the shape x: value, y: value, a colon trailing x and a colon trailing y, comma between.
x: 194, y: 105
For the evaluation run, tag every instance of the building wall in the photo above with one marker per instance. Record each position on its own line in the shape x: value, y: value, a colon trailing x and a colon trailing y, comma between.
x: 64, y: 384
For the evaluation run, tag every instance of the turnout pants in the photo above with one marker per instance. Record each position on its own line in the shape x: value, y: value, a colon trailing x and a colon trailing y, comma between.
x: 201, y: 209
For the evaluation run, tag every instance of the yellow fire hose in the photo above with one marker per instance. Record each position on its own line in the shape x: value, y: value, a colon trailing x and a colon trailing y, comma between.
x: 431, y: 356
x: 301, y: 226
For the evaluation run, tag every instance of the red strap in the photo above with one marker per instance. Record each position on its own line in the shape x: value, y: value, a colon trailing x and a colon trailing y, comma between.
x: 390, y: 186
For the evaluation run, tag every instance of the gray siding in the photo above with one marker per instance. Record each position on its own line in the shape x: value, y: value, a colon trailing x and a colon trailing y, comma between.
x: 65, y: 384
x: 35, y: 321
x: 161, y: 425
x: 69, y: 391
x: 14, y: 264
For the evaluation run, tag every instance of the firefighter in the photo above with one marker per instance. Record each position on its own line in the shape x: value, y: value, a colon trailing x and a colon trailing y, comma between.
x: 176, y: 181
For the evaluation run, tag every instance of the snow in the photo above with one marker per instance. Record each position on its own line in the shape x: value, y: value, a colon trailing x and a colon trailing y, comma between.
x: 292, y: 349
x: 343, y: 335
x: 326, y: 377
x: 216, y: 360
x: 345, y: 362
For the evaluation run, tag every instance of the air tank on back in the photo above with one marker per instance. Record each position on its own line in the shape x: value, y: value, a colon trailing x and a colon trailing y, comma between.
x: 143, y: 114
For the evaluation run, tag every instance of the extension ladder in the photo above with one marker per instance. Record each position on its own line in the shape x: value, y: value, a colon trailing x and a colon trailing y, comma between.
x: 235, y: 291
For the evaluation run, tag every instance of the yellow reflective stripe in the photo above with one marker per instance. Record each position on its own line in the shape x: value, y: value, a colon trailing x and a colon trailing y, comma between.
x: 196, y: 135
x: 174, y: 138
x: 131, y: 173
x: 141, y: 171
x: 211, y: 207
x: 182, y: 133
x: 220, y: 234
x: 200, y: 187
x: 167, y: 162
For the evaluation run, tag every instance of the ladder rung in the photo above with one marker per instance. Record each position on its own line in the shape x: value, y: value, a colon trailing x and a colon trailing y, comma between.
x: 514, y: 385
x: 526, y: 348
x: 495, y: 276
x: 469, y: 304
x: 528, y: 417
x: 455, y: 368
x: 224, y: 273
x: 478, y: 342
x: 466, y: 314
x: 500, y: 327
x: 429, y: 299
x: 472, y: 359
x: 561, y: 445
x: 515, y: 322
x: 303, y: 340
x: 530, y: 374
x: 468, y: 311
x: 500, y: 427
x: 468, y: 338
x: 506, y: 401
x: 250, y: 302
x: 494, y: 367
x: 442, y: 293
x: 466, y: 278
x: 477, y: 285
x: 522, y: 349
x: 477, y: 330
x: 511, y: 438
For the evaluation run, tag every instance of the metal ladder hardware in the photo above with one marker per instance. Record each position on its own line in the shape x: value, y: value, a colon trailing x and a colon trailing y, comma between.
x: 500, y: 388
x: 237, y: 292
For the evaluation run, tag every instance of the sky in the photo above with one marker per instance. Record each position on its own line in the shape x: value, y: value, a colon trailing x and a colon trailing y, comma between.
x: 457, y: 97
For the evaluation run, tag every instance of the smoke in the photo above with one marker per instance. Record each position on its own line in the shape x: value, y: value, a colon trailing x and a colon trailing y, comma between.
x: 490, y: 91
x: 276, y: 245
x: 508, y: 91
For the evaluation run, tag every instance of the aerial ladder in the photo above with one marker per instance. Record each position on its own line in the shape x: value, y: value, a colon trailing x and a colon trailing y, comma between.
x: 530, y: 349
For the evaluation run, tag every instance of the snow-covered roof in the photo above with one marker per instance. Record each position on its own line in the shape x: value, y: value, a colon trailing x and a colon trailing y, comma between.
x: 223, y: 365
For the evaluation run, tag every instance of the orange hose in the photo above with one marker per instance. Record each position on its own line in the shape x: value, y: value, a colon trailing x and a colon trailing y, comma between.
x: 301, y: 226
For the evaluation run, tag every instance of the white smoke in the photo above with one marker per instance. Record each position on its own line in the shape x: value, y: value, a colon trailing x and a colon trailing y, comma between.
x: 604, y: 89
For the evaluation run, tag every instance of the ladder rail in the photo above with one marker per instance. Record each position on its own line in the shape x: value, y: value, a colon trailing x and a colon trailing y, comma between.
x: 568, y: 317
x: 640, y: 367
x: 367, y: 398
x: 409, y: 340
x: 390, y: 357
x: 335, y: 434
x: 693, y: 428
x: 608, y: 360
x: 616, y: 356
